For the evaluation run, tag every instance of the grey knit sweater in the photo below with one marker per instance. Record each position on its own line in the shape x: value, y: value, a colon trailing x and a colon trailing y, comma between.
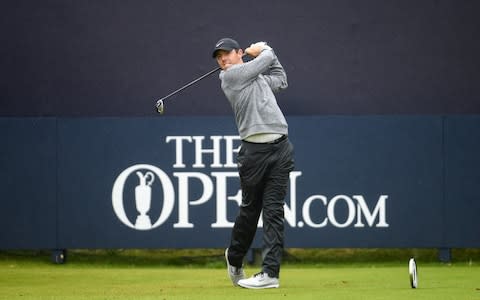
x: 249, y: 88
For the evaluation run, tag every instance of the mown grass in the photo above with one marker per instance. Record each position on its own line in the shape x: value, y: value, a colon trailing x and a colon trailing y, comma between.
x: 213, y: 258
x: 200, y: 274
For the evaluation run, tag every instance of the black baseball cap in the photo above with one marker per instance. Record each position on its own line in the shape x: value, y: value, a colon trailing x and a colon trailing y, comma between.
x: 226, y: 44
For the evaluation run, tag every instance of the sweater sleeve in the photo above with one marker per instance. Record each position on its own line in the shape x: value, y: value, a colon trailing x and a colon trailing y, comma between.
x: 239, y: 76
x: 276, y: 77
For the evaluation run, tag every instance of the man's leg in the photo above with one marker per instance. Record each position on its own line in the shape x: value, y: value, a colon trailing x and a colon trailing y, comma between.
x: 244, y: 229
x: 251, y: 169
x: 273, y: 209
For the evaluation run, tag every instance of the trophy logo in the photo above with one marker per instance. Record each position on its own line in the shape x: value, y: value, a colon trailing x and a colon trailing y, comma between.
x: 143, y: 199
x: 143, y: 196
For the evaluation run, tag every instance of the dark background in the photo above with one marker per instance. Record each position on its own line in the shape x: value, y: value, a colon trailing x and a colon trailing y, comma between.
x: 115, y: 58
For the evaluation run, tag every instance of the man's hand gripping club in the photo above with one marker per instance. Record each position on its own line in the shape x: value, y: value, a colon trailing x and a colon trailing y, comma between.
x: 255, y: 49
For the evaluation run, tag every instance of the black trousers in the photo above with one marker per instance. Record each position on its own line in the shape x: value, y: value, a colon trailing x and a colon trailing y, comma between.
x: 264, y: 173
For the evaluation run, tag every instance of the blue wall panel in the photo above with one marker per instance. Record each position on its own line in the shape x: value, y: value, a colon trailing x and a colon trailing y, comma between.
x: 373, y: 156
x: 359, y: 181
x: 462, y: 165
x: 28, y: 214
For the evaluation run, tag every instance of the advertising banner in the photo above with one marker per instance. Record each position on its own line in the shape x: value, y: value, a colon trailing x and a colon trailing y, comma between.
x: 172, y: 182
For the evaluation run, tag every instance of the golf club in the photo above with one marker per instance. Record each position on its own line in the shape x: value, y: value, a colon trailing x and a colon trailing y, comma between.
x: 160, y: 105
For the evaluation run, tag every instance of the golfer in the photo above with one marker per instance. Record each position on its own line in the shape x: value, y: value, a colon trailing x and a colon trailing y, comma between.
x: 265, y: 158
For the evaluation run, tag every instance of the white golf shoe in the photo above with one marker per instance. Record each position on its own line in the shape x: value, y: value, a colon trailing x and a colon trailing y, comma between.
x: 259, y: 281
x: 235, y: 273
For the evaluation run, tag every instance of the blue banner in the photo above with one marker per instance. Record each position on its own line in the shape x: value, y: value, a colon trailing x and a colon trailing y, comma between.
x: 172, y: 182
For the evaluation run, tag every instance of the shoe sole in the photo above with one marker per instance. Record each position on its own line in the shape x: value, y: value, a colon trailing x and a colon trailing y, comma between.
x: 270, y: 286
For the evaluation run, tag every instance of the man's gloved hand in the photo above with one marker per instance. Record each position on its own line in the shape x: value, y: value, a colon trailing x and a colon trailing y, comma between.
x: 263, y: 45
x: 256, y: 48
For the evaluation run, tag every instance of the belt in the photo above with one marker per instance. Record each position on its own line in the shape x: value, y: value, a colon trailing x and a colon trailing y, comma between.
x: 282, y: 138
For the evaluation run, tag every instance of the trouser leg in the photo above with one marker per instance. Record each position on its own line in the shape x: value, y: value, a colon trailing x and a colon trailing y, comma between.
x: 264, y: 172
x: 273, y: 224
x: 245, y: 227
x: 275, y: 190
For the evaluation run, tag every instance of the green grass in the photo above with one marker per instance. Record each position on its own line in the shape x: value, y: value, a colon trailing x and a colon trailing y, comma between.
x: 194, y: 274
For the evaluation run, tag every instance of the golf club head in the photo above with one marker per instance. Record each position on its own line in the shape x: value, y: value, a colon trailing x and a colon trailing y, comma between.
x: 159, y: 106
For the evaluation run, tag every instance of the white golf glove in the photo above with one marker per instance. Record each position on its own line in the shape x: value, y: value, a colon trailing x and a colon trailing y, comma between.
x: 255, y: 49
x: 262, y: 45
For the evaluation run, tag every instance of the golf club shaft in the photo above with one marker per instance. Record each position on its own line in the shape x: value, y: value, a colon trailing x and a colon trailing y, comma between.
x: 159, y: 105
x: 190, y: 83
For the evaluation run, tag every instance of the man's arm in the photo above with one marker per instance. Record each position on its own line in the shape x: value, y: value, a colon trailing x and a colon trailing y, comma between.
x: 243, y: 74
x: 276, y: 77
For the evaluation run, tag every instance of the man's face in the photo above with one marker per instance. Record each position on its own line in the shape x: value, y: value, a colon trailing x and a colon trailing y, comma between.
x: 225, y: 59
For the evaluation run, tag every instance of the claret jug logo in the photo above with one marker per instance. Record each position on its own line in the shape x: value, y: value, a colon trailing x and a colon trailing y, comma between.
x: 149, y: 186
x: 143, y: 196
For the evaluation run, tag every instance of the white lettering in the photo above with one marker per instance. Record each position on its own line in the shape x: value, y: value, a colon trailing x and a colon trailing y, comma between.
x: 183, y: 195
x: 199, y: 151
x: 229, y: 151
x: 306, y: 211
x: 291, y: 212
x: 318, y: 211
x: 331, y: 211
x: 221, y: 183
x: 379, y: 210
x: 179, y: 149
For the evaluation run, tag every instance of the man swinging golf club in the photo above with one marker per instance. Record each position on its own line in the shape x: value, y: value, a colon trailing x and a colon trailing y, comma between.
x: 264, y: 160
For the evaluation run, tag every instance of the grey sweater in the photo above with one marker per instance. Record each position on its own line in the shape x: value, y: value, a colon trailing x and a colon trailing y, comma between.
x: 249, y: 88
